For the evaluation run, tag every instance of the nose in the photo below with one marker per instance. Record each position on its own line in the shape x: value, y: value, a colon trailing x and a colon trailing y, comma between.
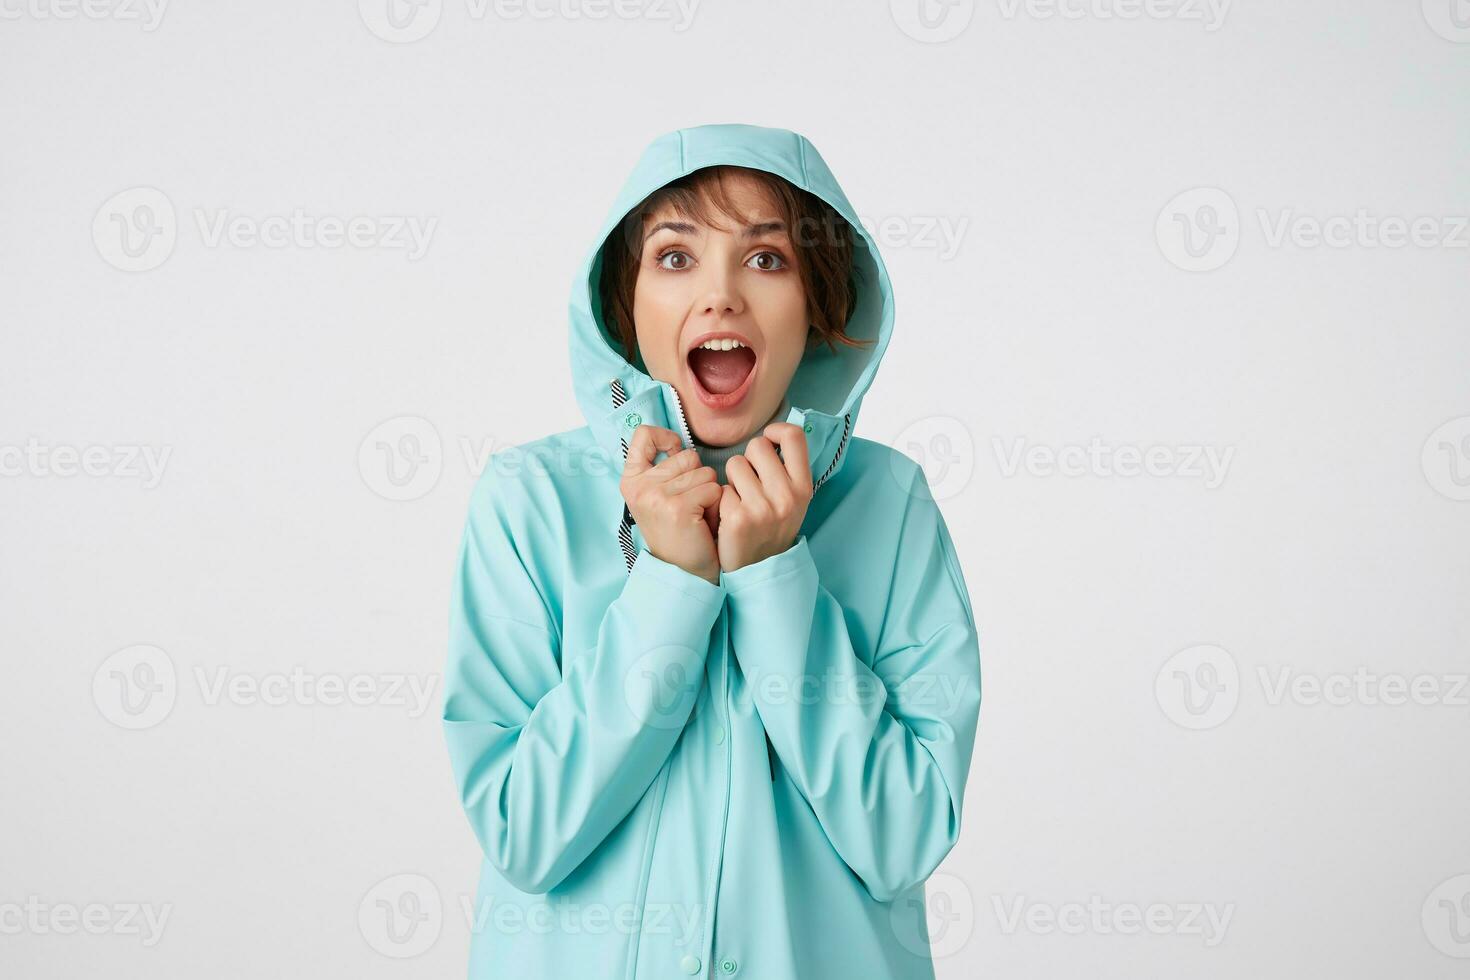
x: 720, y: 293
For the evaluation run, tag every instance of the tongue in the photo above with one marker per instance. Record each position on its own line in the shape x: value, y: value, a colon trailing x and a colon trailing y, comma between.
x: 721, y: 371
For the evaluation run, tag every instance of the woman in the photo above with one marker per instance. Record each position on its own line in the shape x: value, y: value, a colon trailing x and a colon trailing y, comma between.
x: 712, y: 714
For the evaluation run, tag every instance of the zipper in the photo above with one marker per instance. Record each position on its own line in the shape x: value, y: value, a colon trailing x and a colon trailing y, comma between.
x: 683, y: 422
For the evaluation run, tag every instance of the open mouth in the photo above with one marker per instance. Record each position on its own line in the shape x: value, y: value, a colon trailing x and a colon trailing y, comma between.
x: 723, y: 367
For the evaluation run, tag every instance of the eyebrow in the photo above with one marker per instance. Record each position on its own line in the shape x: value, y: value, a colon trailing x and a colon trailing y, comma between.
x: 685, y: 228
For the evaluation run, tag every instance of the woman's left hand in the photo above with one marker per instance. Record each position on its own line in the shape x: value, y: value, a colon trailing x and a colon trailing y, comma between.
x: 763, y: 505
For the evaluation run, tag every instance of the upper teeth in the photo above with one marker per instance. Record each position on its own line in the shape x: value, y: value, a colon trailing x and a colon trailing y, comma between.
x: 724, y: 343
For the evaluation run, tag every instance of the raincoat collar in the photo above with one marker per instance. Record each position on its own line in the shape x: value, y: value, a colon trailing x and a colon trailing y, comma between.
x: 828, y: 388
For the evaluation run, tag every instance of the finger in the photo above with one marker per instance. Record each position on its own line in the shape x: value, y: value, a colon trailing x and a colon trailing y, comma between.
x: 648, y: 441
x: 704, y: 496
x: 690, y: 479
x: 712, y: 516
x: 775, y: 481
x: 745, y: 480
x: 682, y: 462
x: 794, y: 453
x: 729, y: 499
x: 679, y: 461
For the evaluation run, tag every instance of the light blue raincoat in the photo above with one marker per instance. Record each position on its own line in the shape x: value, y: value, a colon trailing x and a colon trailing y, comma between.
x: 670, y: 778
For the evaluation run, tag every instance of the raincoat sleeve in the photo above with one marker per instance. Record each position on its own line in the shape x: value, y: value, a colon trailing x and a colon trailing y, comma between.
x: 551, y: 748
x: 881, y: 754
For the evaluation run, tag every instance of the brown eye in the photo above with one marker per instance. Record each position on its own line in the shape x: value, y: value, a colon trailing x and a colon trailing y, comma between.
x: 768, y: 261
x: 674, y: 260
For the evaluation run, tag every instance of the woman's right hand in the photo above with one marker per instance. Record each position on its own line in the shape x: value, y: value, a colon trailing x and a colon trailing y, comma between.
x: 674, y: 502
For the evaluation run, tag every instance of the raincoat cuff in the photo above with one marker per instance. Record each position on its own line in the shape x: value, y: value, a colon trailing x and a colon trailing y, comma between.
x: 794, y: 559
x: 654, y: 571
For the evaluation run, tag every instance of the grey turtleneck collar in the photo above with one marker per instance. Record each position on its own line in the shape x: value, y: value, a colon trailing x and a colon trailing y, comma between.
x: 718, y: 456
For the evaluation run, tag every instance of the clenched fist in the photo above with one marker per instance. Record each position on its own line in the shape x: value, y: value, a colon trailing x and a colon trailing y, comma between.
x: 762, y: 508
x: 675, y: 503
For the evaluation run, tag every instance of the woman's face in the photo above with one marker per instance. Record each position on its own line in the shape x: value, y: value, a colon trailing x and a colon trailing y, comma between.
x: 737, y: 283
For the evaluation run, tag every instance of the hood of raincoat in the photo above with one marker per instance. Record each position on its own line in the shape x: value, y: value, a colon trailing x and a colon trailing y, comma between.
x: 829, y: 385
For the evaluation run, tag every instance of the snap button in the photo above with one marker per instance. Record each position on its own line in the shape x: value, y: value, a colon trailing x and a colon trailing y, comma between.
x: 632, y: 420
x: 719, y: 735
x: 807, y: 427
x: 729, y: 966
x: 689, y: 964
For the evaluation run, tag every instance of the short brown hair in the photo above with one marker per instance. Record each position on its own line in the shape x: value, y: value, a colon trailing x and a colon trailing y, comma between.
x: 823, y: 258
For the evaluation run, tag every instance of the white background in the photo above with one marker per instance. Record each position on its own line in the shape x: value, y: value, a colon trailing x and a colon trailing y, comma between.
x: 1112, y: 767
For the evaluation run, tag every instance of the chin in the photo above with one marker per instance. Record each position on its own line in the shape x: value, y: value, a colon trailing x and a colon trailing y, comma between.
x: 721, y: 431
